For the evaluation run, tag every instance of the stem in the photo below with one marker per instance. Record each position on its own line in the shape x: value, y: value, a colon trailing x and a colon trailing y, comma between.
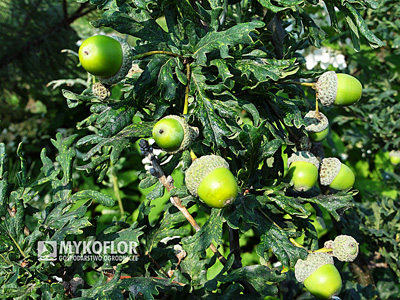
x: 169, y: 185
x: 157, y: 265
x: 185, y: 108
x: 325, y: 250
x: 193, y: 155
x: 142, y: 55
x: 307, y: 84
x: 114, y: 180
x: 294, y: 242
x: 316, y: 105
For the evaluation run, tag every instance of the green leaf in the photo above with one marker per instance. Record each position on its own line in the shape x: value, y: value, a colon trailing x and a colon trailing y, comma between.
x: 128, y: 235
x: 261, y: 70
x: 169, y: 226
x: 111, y: 148
x: 292, y: 114
x: 287, y: 204
x: 238, y: 34
x: 278, y: 241
x: 332, y: 203
x: 260, y: 277
x: 357, y: 24
x: 59, y: 215
x: 215, y: 127
x: 73, y: 99
x: 158, y: 77
x: 210, y: 232
x: 95, y: 195
x: 139, y: 24
x: 283, y: 5
x: 157, y: 191
x: 145, y: 286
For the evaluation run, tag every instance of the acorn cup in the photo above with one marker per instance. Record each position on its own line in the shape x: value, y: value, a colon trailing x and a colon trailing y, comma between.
x: 317, y: 125
x: 303, y: 170
x: 319, y: 275
x: 109, y: 58
x: 345, y: 248
x: 338, y: 89
x: 335, y: 174
x: 100, y: 91
x: 173, y: 134
x: 210, y: 179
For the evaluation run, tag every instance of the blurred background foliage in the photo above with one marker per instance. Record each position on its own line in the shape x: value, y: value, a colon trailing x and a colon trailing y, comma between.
x: 34, y: 34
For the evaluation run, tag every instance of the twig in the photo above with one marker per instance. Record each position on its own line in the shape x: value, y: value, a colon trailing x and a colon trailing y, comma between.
x: 168, y: 184
x: 157, y: 265
x: 185, y: 108
x: 307, y: 84
x: 235, y: 247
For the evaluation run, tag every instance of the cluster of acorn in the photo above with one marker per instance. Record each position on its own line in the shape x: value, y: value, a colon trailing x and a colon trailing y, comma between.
x: 209, y: 177
x: 109, y: 58
x: 304, y: 169
x: 331, y: 89
x: 318, y: 272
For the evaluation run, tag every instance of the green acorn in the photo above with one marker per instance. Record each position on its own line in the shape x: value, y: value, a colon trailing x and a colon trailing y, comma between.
x: 109, y: 58
x: 394, y: 157
x: 173, y: 134
x: 345, y: 248
x: 210, y: 179
x: 336, y: 175
x: 338, y: 89
x: 303, y: 170
x: 317, y: 125
x: 319, y: 275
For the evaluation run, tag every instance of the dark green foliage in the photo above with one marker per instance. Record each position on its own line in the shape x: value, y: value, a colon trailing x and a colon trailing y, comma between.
x: 230, y: 65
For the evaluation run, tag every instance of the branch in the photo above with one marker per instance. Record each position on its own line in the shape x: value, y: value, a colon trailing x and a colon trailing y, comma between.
x: 80, y: 12
x: 235, y: 247
x: 278, y: 35
x: 187, y: 90
x: 65, y: 9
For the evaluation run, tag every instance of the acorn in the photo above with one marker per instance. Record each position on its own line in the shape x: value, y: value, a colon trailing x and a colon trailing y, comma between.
x: 210, y: 179
x: 109, y: 58
x: 394, y: 157
x: 319, y: 275
x: 173, y: 134
x: 100, y: 91
x: 336, y: 175
x: 345, y: 248
x: 338, y: 89
x: 317, y: 125
x: 303, y: 170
